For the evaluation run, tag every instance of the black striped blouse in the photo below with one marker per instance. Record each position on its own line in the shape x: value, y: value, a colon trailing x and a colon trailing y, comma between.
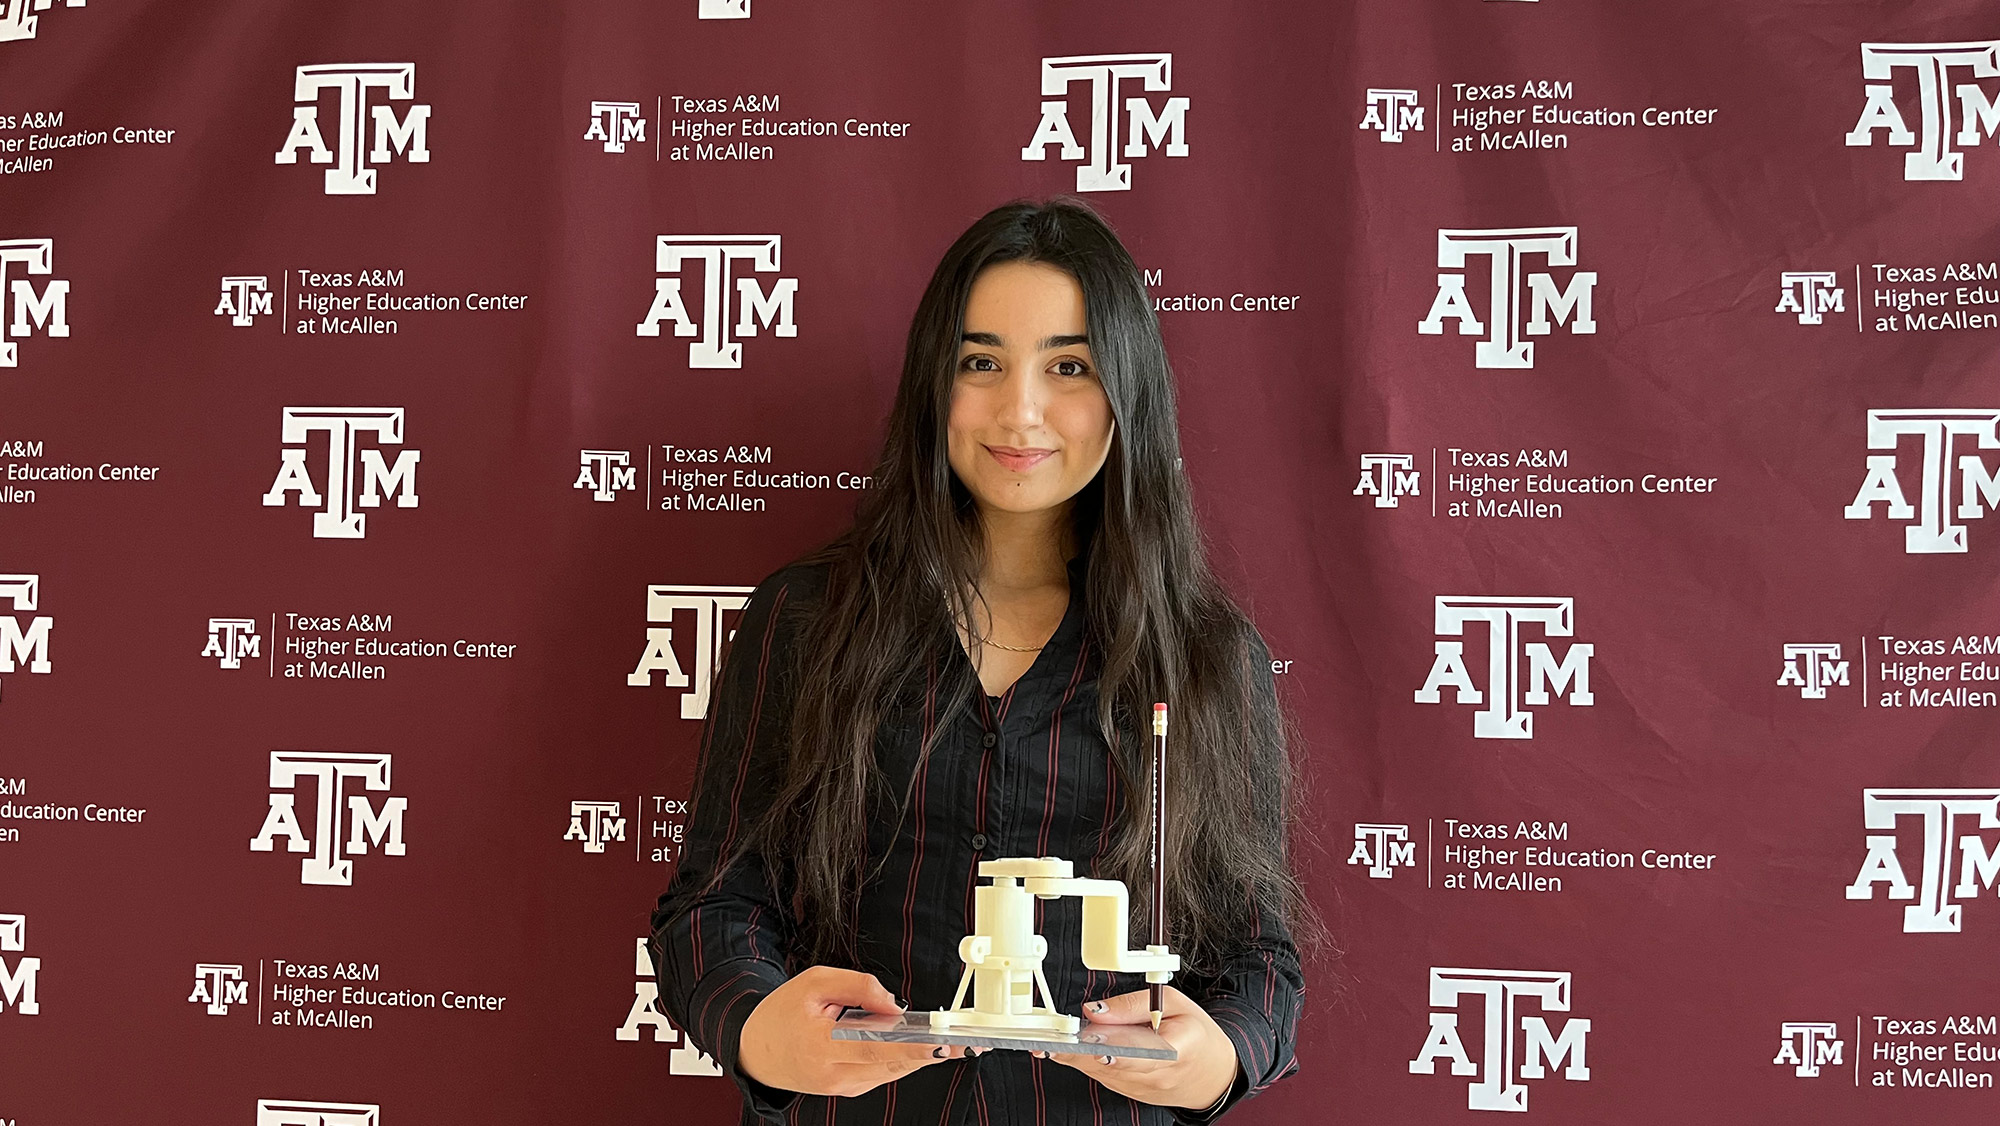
x: 1023, y: 774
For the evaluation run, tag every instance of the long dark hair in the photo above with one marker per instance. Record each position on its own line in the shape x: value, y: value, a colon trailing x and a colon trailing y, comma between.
x: 899, y: 580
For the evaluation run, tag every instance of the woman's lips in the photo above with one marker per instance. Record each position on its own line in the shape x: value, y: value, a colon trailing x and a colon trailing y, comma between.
x: 1020, y: 461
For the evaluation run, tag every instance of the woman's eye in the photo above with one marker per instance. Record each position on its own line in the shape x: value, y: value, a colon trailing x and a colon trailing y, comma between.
x: 978, y: 363
x: 1071, y: 368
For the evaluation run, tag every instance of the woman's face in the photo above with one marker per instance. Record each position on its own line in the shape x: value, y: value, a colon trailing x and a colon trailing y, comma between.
x: 1030, y: 424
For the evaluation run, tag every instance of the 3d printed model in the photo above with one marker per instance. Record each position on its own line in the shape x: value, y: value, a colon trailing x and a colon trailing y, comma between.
x: 1003, y: 956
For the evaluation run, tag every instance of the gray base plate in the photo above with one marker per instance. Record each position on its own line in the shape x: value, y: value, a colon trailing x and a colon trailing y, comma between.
x: 1138, y: 1041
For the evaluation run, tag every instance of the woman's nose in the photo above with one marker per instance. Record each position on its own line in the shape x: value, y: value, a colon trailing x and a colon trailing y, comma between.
x: 1021, y: 402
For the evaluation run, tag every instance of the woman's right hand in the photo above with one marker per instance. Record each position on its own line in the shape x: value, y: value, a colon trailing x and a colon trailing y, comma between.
x: 787, y: 1041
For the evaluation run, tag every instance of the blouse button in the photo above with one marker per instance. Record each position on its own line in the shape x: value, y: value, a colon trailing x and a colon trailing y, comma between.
x: 988, y: 739
x: 978, y: 841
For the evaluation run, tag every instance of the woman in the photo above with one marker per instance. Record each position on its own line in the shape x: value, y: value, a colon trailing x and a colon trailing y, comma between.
x: 966, y: 675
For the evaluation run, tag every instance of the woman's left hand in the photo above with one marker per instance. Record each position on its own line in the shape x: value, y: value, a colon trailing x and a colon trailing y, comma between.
x: 1206, y: 1068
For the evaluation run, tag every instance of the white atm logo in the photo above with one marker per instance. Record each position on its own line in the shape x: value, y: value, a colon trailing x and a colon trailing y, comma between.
x: 615, y: 123
x: 595, y: 822
x: 1952, y: 821
x: 24, y: 647
x: 1546, y: 676
x: 331, y: 771
x: 47, y: 310
x: 244, y: 299
x: 719, y: 256
x: 17, y: 980
x: 351, y: 174
x: 1812, y: 668
x: 1810, y: 295
x: 377, y: 477
x: 292, y: 1112
x: 1388, y: 478
x: 230, y: 640
x: 1383, y: 848
x: 1392, y: 112
x: 709, y: 604
x: 18, y: 20
x: 219, y: 986
x: 686, y: 1059
x: 1119, y: 126
x: 1549, y: 303
x: 1808, y: 1045
x: 1938, y: 68
x: 606, y: 473
x: 1496, y: 1076
x: 1978, y: 488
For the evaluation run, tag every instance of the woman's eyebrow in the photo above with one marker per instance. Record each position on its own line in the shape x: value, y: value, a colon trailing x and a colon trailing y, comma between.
x: 992, y: 340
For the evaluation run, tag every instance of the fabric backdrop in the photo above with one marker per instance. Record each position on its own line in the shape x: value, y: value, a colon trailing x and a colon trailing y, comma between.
x: 1593, y: 403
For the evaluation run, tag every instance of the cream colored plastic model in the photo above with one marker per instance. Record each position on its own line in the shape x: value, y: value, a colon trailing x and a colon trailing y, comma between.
x: 1003, y: 956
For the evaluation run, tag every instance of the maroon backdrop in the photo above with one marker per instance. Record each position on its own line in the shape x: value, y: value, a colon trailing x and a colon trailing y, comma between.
x: 1595, y: 405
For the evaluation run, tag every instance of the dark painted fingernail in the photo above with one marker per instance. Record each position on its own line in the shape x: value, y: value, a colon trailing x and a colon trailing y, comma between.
x: 972, y: 1051
x: 1095, y: 1006
x: 938, y: 1052
x: 902, y: 1004
x: 1105, y: 1059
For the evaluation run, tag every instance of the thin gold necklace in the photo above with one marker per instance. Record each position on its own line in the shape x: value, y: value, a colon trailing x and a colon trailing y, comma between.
x: 1009, y: 648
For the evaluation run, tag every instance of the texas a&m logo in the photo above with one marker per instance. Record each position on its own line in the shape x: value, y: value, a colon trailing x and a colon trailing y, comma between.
x: 1808, y: 1045
x: 47, y: 310
x: 1953, y: 821
x: 293, y: 1112
x: 708, y: 604
x: 352, y: 83
x: 606, y: 472
x: 1382, y: 848
x: 230, y: 640
x: 719, y: 256
x: 23, y: 647
x: 1549, y: 303
x: 615, y: 123
x: 685, y: 1059
x: 594, y: 822
x: 1388, y: 478
x: 219, y: 986
x: 18, y: 20
x: 1391, y: 112
x: 1496, y: 1076
x: 1938, y: 69
x: 1945, y: 460
x: 244, y: 299
x: 375, y: 476
x: 1809, y: 294
x: 1811, y: 668
x: 331, y: 772
x: 17, y: 979
x: 1546, y: 676
x: 1119, y: 125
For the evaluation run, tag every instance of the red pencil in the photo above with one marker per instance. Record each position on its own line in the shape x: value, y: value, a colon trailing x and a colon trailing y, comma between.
x: 1155, y: 992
